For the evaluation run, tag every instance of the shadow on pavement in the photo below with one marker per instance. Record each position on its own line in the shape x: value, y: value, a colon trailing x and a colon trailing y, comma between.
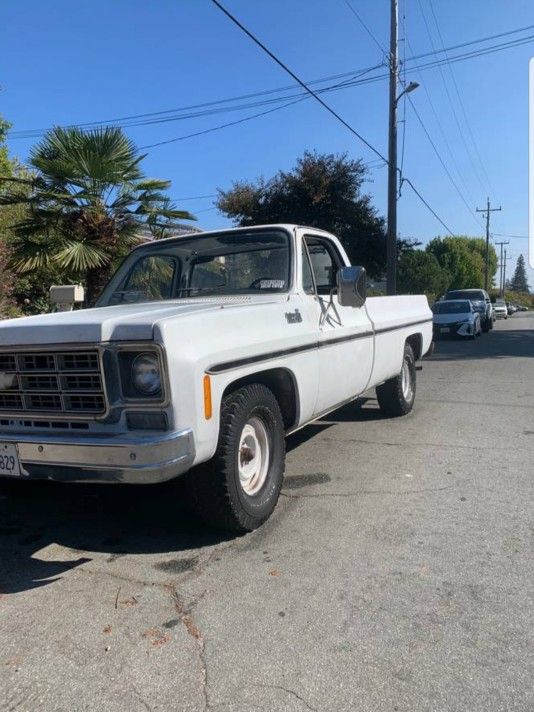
x: 108, y: 519
x: 91, y: 518
x: 504, y: 343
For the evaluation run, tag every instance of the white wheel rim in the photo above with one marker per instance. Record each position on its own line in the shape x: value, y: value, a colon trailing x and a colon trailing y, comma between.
x: 253, y: 456
x: 406, y: 381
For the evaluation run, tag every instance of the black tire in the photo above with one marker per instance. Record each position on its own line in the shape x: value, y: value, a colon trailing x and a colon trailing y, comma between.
x: 390, y: 395
x: 214, y: 489
x: 487, y: 325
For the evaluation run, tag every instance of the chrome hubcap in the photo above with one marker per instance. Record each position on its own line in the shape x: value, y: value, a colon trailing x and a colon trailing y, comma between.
x: 253, y: 456
x: 406, y: 382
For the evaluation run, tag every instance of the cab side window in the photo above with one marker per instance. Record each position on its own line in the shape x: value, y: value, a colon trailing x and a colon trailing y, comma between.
x: 307, y: 276
x: 325, y: 263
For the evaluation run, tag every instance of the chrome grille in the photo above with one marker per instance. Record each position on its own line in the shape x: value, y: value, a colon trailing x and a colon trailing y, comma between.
x: 51, y: 382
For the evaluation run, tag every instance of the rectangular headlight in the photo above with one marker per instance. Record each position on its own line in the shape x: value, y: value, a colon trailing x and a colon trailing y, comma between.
x: 141, y: 374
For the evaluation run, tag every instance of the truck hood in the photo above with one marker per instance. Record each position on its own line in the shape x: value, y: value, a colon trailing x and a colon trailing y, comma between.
x: 125, y: 322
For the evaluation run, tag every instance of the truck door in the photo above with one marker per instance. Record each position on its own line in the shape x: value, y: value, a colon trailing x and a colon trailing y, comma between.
x: 346, y: 341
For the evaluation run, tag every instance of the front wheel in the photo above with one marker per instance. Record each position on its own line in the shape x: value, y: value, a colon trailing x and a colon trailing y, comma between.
x: 397, y: 395
x: 238, y: 489
x: 487, y: 325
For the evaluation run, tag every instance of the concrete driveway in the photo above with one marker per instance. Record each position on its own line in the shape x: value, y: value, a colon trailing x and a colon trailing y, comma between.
x: 396, y: 573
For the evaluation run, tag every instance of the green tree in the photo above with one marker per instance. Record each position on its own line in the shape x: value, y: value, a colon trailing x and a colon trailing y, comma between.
x: 86, y: 203
x: 419, y: 271
x: 324, y: 191
x: 464, y: 259
x: 519, y: 281
x: 6, y: 164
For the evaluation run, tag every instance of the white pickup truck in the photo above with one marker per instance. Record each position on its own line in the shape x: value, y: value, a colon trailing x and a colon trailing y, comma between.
x: 204, y: 351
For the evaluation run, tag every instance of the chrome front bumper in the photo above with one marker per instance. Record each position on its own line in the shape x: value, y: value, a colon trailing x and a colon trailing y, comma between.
x: 114, y: 458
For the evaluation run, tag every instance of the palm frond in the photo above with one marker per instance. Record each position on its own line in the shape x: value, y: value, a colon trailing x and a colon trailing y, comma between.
x: 150, y: 184
x: 80, y: 256
x: 29, y: 254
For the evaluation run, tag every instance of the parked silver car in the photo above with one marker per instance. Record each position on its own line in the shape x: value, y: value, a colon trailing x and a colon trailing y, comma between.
x: 456, y: 317
x: 481, y: 302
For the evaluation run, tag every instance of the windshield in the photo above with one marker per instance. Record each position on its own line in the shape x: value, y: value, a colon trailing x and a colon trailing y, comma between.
x: 474, y: 295
x: 500, y: 303
x: 460, y: 307
x: 230, y: 263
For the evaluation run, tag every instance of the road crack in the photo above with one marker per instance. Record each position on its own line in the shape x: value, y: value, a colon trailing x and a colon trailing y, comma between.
x: 439, y: 446
x: 289, y: 691
x: 141, y: 699
x: 319, y: 495
x: 185, y: 614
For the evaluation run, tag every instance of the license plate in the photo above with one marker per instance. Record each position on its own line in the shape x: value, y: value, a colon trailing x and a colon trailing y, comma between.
x: 445, y: 330
x: 9, y: 460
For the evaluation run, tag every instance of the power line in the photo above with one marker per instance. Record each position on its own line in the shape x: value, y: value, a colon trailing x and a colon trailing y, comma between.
x: 409, y: 182
x: 451, y: 103
x: 302, y: 97
x: 151, y: 117
x: 221, y: 126
x: 366, y: 28
x: 351, y: 82
x: 324, y: 104
x: 449, y: 175
x: 460, y: 101
x: 196, y: 197
x: 297, y: 79
x: 442, y: 132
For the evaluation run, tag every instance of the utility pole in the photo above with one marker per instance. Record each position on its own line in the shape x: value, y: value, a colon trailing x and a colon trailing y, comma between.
x: 501, y: 283
x: 487, y: 210
x: 391, y: 246
x: 391, y: 242
x: 504, y: 273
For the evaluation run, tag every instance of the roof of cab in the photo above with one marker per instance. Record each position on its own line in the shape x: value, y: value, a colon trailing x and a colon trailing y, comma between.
x: 284, y: 226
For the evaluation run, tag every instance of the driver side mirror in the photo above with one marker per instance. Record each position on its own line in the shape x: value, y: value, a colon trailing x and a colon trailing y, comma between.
x: 351, y: 286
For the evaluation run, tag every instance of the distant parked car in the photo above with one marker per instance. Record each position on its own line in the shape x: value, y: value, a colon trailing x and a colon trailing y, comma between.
x: 456, y: 317
x: 481, y: 302
x: 500, y: 309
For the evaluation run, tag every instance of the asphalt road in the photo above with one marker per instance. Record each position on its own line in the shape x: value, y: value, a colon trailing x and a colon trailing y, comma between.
x: 395, y: 575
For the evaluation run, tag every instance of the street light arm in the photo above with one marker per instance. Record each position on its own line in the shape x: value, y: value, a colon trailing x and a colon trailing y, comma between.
x: 412, y: 86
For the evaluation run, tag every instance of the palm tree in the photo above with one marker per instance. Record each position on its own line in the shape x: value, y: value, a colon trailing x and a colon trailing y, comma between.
x: 86, y: 200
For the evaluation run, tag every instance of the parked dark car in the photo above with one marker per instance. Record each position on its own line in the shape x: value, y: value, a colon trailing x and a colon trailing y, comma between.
x: 481, y: 302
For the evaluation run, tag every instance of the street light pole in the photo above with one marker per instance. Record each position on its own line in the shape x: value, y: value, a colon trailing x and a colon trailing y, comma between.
x: 391, y: 244
x: 391, y: 241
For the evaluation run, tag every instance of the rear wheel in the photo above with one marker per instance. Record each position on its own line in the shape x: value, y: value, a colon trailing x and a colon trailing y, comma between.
x: 238, y: 489
x: 397, y: 395
x: 487, y: 325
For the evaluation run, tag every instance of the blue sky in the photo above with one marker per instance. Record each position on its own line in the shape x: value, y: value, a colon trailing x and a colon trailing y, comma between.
x: 65, y: 62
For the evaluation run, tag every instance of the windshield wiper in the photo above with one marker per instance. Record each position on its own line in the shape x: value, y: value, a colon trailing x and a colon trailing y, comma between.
x: 200, y: 289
